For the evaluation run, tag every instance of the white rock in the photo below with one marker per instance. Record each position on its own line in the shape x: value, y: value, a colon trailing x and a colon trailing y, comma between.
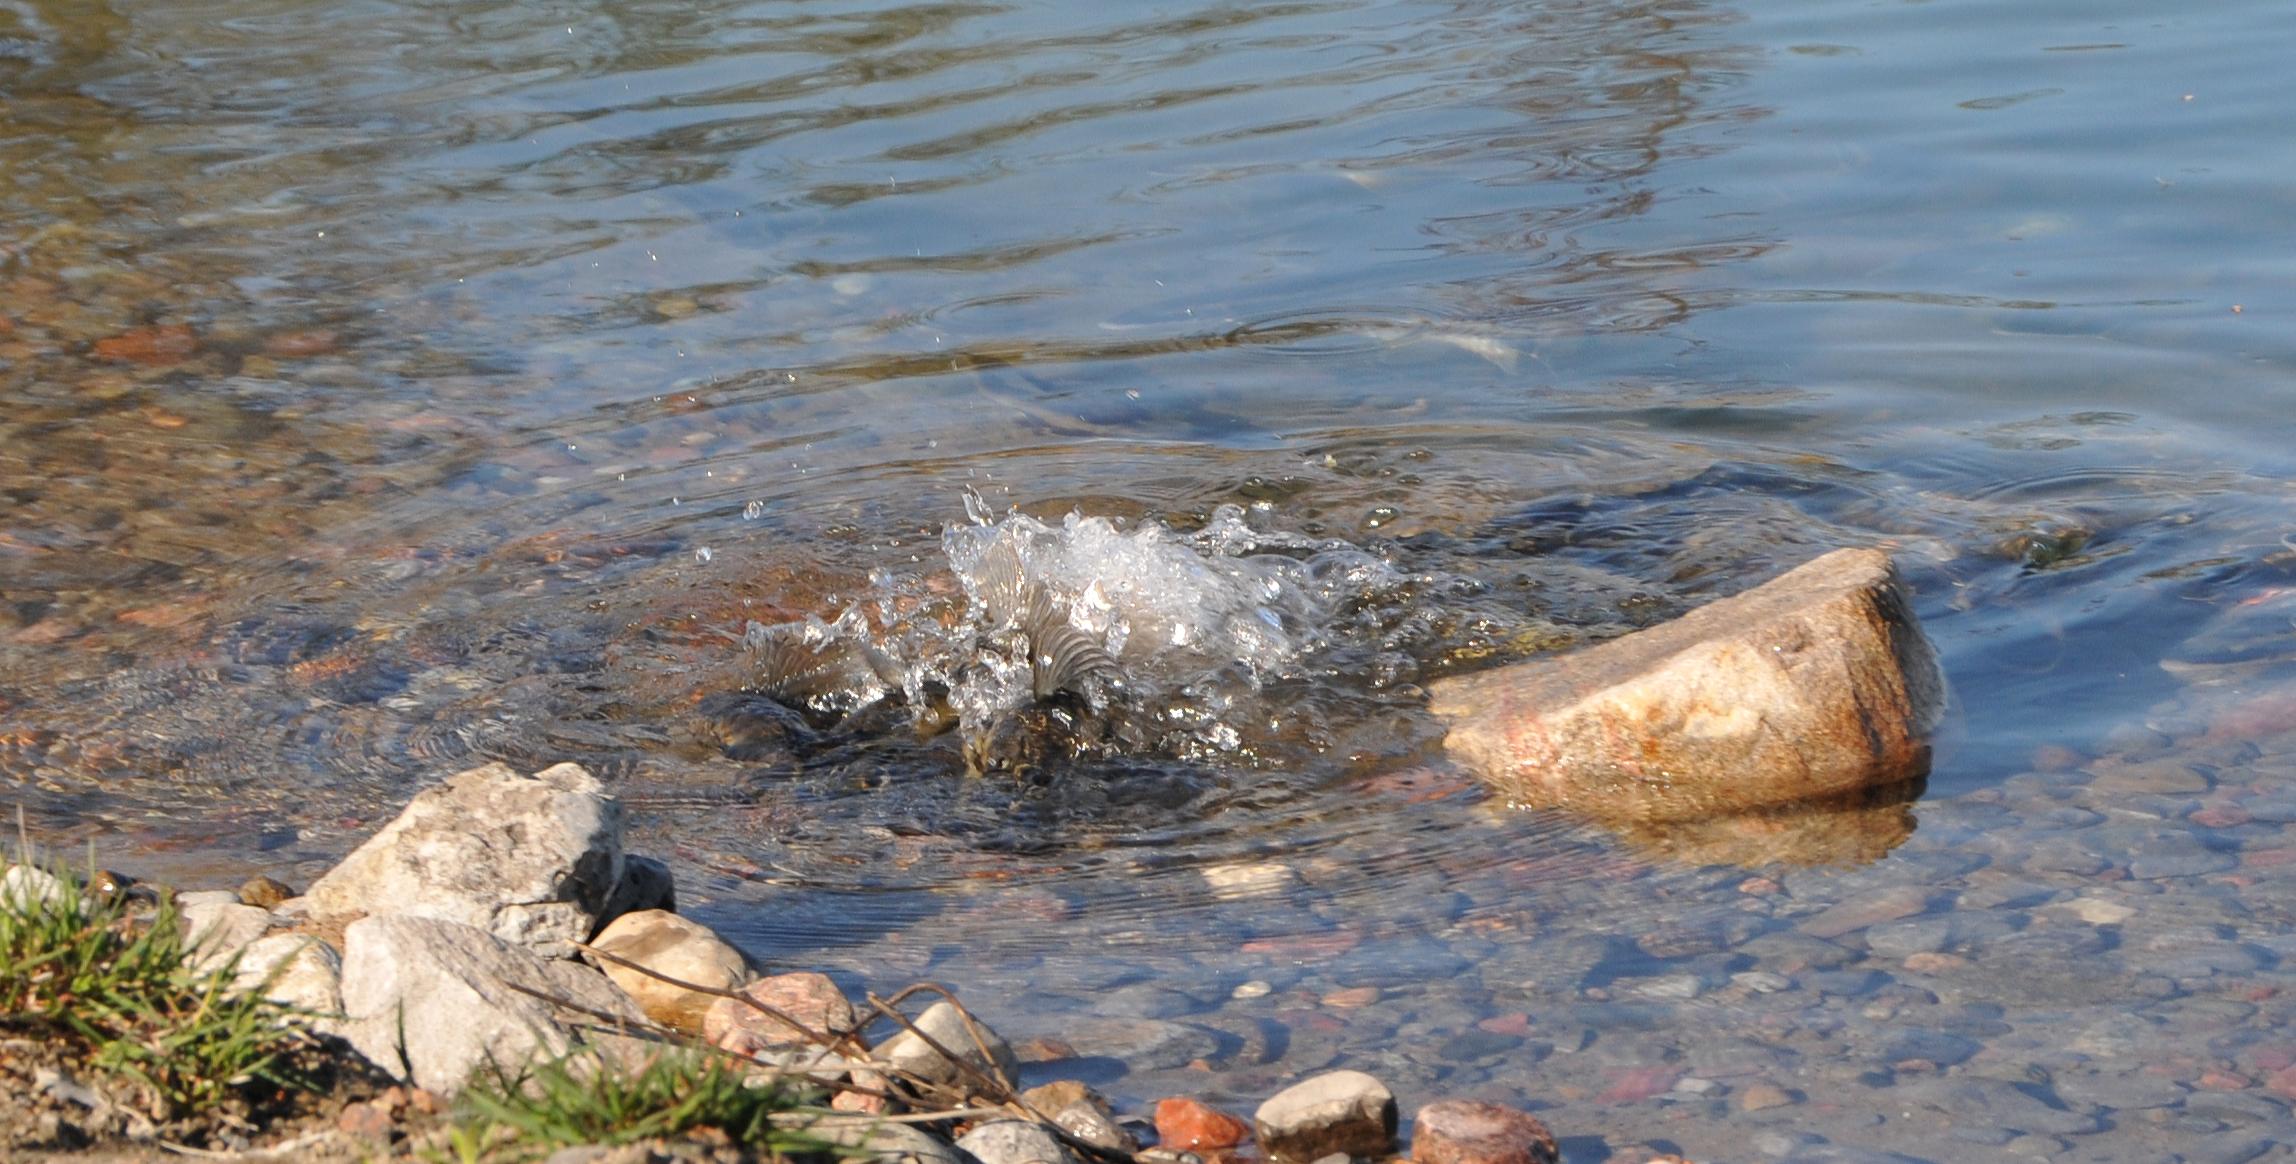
x: 209, y: 898
x: 430, y: 1001
x: 310, y: 972
x: 947, y: 1027
x: 530, y: 859
x: 1341, y: 1111
x: 2100, y: 913
x: 215, y: 931
x: 1014, y: 1142
x: 883, y: 1142
x: 1236, y: 882
x: 1672, y: 986
x: 23, y: 885
x: 1762, y: 981
x: 680, y: 948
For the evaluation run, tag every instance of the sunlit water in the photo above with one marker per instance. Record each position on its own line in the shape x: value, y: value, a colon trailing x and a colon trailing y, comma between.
x: 392, y: 387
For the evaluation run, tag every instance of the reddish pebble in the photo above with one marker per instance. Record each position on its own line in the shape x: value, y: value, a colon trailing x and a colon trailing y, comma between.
x: 1346, y: 999
x: 2268, y: 858
x: 1638, y: 1083
x: 1044, y: 1051
x: 1456, y: 1131
x: 1506, y: 1024
x: 2222, y: 816
x: 316, y: 341
x: 1185, y: 1125
x: 2272, y: 1059
x: 365, y: 1120
x: 2217, y: 1079
x: 1934, y: 963
x: 1759, y: 887
x: 149, y: 345
x: 811, y: 999
x: 2283, y: 1082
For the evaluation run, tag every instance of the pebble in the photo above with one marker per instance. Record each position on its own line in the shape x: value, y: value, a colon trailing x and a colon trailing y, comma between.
x: 1190, y: 1125
x: 812, y: 999
x: 1238, y: 882
x: 1252, y: 989
x: 1468, y: 1132
x: 1761, y: 1096
x: 676, y: 947
x: 1014, y: 1142
x: 1342, y: 1111
x: 1868, y: 909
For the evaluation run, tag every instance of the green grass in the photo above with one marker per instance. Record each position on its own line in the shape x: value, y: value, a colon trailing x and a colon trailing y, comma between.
x: 593, y: 1099
x: 115, y: 988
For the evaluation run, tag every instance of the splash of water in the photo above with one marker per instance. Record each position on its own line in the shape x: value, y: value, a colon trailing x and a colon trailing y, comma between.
x: 1104, y: 639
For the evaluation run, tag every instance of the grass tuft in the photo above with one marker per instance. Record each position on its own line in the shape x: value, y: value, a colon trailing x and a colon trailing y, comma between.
x: 79, y: 968
x: 595, y: 1099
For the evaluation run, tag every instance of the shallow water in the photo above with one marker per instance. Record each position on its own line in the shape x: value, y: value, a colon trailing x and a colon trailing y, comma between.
x: 390, y: 387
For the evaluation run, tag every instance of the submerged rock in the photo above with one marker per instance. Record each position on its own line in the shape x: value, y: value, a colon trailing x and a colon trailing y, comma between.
x: 1456, y: 1131
x: 1819, y: 683
x: 530, y: 859
x: 946, y: 1025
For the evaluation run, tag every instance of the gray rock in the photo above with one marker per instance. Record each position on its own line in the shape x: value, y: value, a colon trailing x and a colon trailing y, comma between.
x: 1342, y: 1111
x: 530, y: 859
x: 1798, y: 950
x: 430, y: 1001
x: 946, y: 1025
x: 2174, y: 853
x: 1145, y: 1001
x: 1994, y: 1103
x: 1939, y: 1047
x: 1901, y: 940
x: 1785, y: 1143
x: 215, y: 932
x: 1143, y: 1044
x: 304, y: 972
x: 2224, y: 1148
x: 885, y: 1143
x: 2123, y: 1091
x: 2236, y: 1106
x: 1014, y: 1142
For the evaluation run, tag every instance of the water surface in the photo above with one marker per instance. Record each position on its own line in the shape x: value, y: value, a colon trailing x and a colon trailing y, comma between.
x: 393, y: 387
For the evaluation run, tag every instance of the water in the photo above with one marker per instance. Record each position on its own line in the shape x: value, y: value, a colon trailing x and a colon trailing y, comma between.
x: 392, y: 387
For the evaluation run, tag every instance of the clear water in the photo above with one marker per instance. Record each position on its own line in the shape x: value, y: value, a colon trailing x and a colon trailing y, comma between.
x: 390, y: 387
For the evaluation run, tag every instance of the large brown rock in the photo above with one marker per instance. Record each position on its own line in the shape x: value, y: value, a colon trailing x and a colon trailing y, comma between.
x: 1459, y: 1131
x: 680, y: 948
x: 1816, y: 684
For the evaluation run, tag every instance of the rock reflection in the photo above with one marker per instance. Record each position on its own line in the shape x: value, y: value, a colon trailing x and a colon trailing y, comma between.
x: 1838, y: 832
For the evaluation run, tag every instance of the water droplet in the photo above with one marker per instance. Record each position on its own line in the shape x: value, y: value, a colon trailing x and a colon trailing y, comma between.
x: 753, y: 511
x: 703, y: 554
